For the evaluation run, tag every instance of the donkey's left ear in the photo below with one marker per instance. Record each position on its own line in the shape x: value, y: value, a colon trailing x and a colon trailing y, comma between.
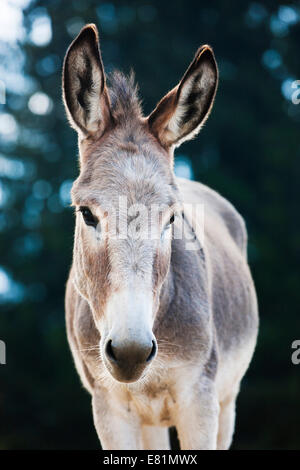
x: 84, y: 90
x: 180, y: 115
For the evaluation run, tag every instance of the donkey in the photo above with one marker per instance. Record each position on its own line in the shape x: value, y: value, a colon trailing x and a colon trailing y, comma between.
x: 161, y: 335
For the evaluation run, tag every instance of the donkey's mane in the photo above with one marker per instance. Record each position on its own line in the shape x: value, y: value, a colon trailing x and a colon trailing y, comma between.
x: 123, y: 93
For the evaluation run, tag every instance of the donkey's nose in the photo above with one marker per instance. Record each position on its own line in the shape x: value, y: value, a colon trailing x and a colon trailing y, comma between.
x: 128, y: 360
x: 130, y: 353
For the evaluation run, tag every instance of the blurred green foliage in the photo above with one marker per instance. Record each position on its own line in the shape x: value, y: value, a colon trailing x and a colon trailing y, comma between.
x: 248, y: 151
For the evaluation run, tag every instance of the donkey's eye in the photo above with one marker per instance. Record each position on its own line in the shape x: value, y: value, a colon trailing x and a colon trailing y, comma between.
x: 172, y: 218
x: 88, y: 217
x: 170, y: 222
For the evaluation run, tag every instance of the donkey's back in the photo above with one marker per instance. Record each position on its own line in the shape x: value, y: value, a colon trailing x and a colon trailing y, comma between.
x: 216, y: 207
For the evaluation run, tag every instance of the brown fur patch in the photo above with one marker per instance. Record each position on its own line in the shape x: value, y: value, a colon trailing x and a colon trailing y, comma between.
x: 160, y: 117
x: 129, y: 147
x: 165, y: 414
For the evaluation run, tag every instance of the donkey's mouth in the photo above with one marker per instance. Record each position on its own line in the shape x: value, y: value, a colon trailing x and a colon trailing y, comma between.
x: 130, y: 375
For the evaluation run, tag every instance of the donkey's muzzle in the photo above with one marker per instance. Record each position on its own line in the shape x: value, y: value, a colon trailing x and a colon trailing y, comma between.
x: 128, y: 360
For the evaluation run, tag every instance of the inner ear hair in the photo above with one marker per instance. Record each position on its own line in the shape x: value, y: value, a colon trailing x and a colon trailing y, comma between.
x: 197, y: 91
x: 181, y: 113
x: 84, y: 88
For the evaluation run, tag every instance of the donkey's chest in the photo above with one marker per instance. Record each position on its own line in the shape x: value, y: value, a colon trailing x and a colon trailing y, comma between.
x: 155, y: 406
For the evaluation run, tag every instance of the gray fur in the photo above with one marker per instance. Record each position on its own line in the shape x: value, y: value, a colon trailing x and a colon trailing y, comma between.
x: 203, y: 302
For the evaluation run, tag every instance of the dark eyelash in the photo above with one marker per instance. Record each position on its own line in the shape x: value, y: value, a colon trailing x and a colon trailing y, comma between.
x: 88, y: 217
x: 171, y: 220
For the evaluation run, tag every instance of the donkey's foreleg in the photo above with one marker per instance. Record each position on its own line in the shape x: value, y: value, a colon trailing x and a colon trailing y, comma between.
x: 197, y: 420
x: 118, y: 427
x: 155, y: 438
x: 226, y: 423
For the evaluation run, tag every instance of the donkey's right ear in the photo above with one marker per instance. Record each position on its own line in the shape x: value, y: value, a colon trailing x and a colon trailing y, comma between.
x: 84, y: 90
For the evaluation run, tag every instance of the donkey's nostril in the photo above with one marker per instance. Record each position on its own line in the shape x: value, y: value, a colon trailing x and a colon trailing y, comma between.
x: 109, y: 351
x: 153, y: 352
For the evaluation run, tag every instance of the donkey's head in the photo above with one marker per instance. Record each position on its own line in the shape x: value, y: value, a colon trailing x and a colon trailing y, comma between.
x: 126, y: 195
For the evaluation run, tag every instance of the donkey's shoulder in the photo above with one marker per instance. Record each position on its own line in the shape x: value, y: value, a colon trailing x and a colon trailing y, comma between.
x: 215, y: 206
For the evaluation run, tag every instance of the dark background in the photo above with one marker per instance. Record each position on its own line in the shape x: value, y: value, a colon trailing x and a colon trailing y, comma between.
x: 248, y: 151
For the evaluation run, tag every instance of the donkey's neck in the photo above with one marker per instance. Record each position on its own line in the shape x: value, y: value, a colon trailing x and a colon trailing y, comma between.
x: 167, y: 292
x: 166, y: 297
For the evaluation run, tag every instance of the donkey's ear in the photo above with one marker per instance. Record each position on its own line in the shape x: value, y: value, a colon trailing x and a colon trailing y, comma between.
x: 180, y: 115
x: 84, y: 90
